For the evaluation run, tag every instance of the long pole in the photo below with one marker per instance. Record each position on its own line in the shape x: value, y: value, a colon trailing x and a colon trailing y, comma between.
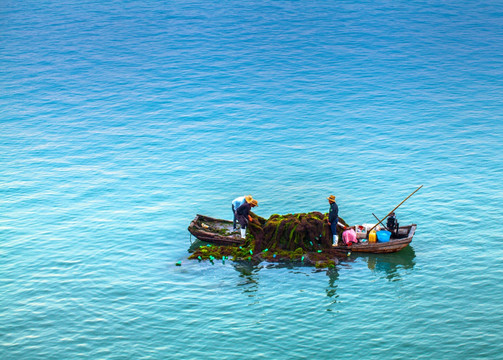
x: 373, y: 227
x: 380, y: 222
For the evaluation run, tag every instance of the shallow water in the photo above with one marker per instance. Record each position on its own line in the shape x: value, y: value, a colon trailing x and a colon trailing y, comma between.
x: 120, y: 121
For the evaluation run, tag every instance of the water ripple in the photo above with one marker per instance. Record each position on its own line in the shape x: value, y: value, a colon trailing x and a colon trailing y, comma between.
x: 120, y: 121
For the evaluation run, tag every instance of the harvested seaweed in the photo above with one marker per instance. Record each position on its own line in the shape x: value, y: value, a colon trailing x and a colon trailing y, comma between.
x: 308, y: 231
x: 303, y: 237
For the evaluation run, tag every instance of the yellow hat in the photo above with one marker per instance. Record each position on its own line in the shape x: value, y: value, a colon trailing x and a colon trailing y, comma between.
x: 248, y: 198
x: 331, y: 198
x: 254, y: 202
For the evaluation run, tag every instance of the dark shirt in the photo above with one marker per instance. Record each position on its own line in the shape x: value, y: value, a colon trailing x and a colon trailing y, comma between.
x: 244, y: 210
x: 333, y: 215
x: 391, y: 224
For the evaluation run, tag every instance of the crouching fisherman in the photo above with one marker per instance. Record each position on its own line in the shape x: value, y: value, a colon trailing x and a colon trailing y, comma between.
x: 392, y: 224
x: 243, y: 215
x: 236, y: 203
x: 333, y: 219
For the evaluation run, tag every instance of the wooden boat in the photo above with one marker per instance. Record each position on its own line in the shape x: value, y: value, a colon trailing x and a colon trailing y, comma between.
x: 215, y: 231
x: 219, y: 232
x: 396, y: 243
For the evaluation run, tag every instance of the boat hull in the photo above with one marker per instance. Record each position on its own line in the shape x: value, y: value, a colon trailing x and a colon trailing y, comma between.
x: 406, y: 233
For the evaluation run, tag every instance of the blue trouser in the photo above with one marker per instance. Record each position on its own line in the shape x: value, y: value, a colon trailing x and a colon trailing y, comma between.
x: 333, y: 226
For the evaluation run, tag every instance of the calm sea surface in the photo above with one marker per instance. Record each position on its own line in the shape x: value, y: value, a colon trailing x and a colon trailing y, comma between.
x: 121, y: 120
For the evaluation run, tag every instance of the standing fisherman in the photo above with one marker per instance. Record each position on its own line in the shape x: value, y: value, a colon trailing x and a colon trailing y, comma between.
x: 236, y: 203
x: 333, y: 219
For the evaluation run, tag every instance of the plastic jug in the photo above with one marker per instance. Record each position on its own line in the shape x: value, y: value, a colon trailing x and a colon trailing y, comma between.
x: 372, y: 236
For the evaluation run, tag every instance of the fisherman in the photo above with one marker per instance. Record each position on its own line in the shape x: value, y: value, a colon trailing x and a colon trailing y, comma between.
x: 333, y: 219
x: 392, y: 223
x: 243, y: 215
x: 236, y: 203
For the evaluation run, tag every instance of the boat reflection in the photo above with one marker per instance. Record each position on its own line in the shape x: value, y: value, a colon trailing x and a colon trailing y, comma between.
x: 386, y: 266
x: 389, y: 266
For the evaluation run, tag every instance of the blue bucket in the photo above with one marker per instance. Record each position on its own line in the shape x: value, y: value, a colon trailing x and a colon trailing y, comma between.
x: 383, y: 236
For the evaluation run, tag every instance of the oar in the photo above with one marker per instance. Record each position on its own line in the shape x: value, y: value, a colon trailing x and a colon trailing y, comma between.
x: 380, y: 222
x: 373, y: 227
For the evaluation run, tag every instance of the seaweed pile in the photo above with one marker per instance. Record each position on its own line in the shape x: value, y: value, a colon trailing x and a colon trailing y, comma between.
x: 302, y: 237
x: 307, y: 231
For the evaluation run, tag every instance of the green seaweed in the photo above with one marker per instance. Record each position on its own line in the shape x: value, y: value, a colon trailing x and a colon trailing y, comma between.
x: 291, y: 237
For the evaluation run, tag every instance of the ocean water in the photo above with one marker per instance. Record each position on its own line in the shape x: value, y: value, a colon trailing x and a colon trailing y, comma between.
x: 121, y: 120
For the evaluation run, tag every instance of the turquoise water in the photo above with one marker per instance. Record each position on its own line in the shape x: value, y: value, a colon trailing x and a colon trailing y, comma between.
x: 120, y: 121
